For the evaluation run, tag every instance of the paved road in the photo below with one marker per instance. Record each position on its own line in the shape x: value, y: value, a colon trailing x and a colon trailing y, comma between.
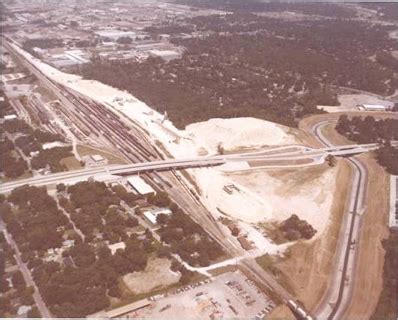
x: 169, y: 164
x: 339, y: 293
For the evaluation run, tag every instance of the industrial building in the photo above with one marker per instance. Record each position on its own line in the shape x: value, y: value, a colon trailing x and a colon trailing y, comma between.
x: 115, y: 34
x: 68, y: 58
x: 140, y: 186
x: 166, y: 55
x: 373, y: 107
x: 10, y: 117
x: 393, y: 219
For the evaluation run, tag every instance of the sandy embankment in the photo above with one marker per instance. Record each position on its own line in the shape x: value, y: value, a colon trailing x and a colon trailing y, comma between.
x: 237, y: 133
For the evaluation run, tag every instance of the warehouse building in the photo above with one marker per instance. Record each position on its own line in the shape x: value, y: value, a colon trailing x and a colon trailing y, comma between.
x: 393, y: 220
x: 140, y: 186
x: 373, y: 107
x: 115, y: 34
x: 166, y: 55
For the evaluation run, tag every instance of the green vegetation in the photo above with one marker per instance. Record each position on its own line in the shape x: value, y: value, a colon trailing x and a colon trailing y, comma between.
x: 36, y: 223
x: 185, y: 237
x: 5, y: 106
x: 292, y: 229
x: 124, y: 40
x: 43, y: 43
x: 369, y: 130
x: 52, y: 158
x: 30, y: 141
x: 17, y: 126
x: 188, y: 239
x: 92, y: 273
x: 387, y: 308
x: 312, y: 8
x: 94, y: 208
x: 387, y: 157
x: 11, y: 164
x: 250, y: 65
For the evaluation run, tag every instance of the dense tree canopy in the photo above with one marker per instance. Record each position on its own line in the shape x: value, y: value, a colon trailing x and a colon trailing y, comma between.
x: 249, y: 65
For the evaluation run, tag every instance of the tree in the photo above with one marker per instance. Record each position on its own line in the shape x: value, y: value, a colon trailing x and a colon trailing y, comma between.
x: 34, y: 313
x: 235, y: 231
x: 331, y: 160
x: 18, y: 281
x: 114, y: 291
x: 132, y: 222
x: 164, y: 252
x: 124, y: 40
x: 220, y: 149
x: 4, y: 286
x: 162, y: 218
x: 5, y: 305
x: 186, y: 276
x: 27, y: 299
x: 61, y: 187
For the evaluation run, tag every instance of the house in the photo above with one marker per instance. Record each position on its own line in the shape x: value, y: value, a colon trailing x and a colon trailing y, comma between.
x: 152, y: 214
x: 116, y: 246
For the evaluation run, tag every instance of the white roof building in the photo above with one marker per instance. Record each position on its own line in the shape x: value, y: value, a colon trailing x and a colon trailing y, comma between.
x: 54, y: 144
x: 166, y: 54
x: 10, y: 117
x: 115, y: 34
x: 393, y: 220
x: 116, y: 246
x: 139, y: 185
x: 23, y: 310
x: 97, y: 157
x: 374, y: 107
x: 152, y: 214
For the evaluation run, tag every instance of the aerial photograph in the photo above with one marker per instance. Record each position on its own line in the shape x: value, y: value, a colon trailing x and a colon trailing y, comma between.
x: 199, y: 159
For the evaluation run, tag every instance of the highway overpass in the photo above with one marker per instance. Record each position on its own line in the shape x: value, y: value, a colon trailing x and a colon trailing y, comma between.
x: 275, y: 154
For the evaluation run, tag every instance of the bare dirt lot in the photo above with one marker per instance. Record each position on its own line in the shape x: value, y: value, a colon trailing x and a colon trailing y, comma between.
x: 157, y: 274
x: 86, y: 150
x: 71, y: 163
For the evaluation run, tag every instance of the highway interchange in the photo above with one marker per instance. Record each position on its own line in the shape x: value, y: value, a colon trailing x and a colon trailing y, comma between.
x: 128, y: 139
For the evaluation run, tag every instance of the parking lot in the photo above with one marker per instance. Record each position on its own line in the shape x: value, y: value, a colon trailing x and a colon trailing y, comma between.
x: 230, y: 295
